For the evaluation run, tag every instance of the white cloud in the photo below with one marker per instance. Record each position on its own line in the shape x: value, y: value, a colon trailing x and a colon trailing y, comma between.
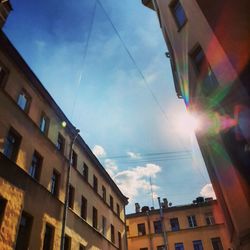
x: 98, y: 151
x: 134, y: 180
x: 208, y: 191
x: 110, y: 167
x: 133, y: 155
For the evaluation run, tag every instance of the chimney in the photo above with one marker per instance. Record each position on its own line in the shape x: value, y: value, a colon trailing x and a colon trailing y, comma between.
x: 5, y: 9
x: 137, y: 208
x: 165, y: 203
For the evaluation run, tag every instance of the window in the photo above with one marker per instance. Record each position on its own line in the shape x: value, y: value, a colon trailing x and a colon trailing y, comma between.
x: 84, y: 208
x: 94, y: 218
x: 36, y: 164
x: 162, y: 247
x: 82, y: 247
x: 67, y: 242
x: 209, y: 219
x: 95, y: 183
x: 24, y: 231
x: 85, y: 172
x: 104, y: 193
x: 217, y: 245
x: 24, y: 100
x: 12, y: 144
x: 178, y: 246
x: 157, y: 227
x: 3, y: 203
x: 71, y: 196
x: 60, y: 143
x: 204, y: 72
x: 127, y: 229
x: 192, y: 221
x: 141, y: 229
x: 118, y: 209
x: 178, y: 13
x: 144, y: 248
x: 197, y: 244
x: 119, y: 241
x: 44, y: 124
x: 111, y: 202
x: 48, y: 237
x: 112, y: 233
x: 74, y: 159
x: 55, y: 178
x: 174, y: 222
x: 3, y: 76
x: 104, y: 224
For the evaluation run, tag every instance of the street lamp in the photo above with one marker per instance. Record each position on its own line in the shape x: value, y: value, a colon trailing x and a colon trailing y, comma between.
x: 66, y: 200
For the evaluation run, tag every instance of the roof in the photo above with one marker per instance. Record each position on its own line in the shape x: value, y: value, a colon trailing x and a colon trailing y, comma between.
x: 8, y: 49
x: 171, y: 209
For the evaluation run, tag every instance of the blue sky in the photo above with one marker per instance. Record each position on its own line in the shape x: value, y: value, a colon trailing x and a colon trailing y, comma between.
x: 104, y: 95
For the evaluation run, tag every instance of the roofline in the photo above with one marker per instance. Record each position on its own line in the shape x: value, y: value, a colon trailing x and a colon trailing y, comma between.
x: 148, y: 3
x: 8, y: 49
x: 170, y: 209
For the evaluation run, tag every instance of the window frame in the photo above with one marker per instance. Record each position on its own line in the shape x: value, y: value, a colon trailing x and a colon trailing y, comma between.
x: 51, y: 241
x: 62, y: 143
x: 112, y: 233
x: 44, y: 130
x: 171, y: 224
x: 84, y: 207
x: 157, y: 227
x: 71, y: 197
x: 36, y: 169
x: 197, y: 243
x: 94, y: 217
x: 85, y: 172
x: 192, y: 223
x: 141, y: 229
x: 28, y: 98
x: 172, y: 6
x: 4, y: 74
x: 95, y: 183
x: 56, y: 187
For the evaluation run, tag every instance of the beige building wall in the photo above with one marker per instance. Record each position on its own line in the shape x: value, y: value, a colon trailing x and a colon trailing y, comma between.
x: 185, y: 234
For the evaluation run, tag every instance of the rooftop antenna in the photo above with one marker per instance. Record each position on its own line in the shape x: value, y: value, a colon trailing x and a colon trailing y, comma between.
x: 152, y: 194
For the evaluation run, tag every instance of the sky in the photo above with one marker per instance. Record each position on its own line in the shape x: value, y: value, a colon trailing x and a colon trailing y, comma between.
x: 104, y: 63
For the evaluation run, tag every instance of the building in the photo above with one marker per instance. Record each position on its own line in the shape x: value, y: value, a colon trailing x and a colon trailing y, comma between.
x: 194, y: 226
x: 34, y: 159
x: 208, y: 47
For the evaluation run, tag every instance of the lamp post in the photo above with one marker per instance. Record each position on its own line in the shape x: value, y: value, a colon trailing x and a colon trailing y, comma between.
x: 66, y: 200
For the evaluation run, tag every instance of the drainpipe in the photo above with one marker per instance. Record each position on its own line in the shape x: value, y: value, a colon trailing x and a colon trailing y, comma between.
x: 66, y: 200
x: 164, y: 233
x: 149, y: 231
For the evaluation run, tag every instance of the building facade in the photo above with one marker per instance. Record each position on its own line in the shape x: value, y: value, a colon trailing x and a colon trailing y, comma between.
x: 34, y: 158
x: 208, y: 47
x: 194, y: 226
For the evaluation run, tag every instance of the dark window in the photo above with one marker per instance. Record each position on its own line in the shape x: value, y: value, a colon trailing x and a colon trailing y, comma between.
x: 217, y: 245
x: 94, y: 218
x: 112, y: 233
x: 48, y: 237
x: 178, y: 13
x: 3, y: 76
x: 24, y: 100
x: 74, y: 159
x: 162, y: 247
x: 192, y: 221
x: 104, y: 193
x: 111, y: 202
x: 67, y: 242
x: 104, y: 224
x: 3, y: 203
x: 143, y: 248
x: 85, y: 172
x: 118, y: 209
x: 23, y: 236
x: 71, y: 196
x: 95, y: 183
x: 127, y: 229
x: 157, y: 227
x: 36, y: 165
x: 197, y: 244
x: 119, y: 241
x: 12, y: 144
x: 60, y: 143
x: 205, y: 75
x: 82, y: 247
x: 44, y: 124
x: 179, y: 246
x: 55, y: 180
x: 209, y: 219
x: 141, y: 229
x: 174, y: 222
x: 84, y: 208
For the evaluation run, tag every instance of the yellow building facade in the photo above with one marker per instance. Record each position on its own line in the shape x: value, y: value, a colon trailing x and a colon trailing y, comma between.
x: 34, y: 158
x: 194, y: 226
x: 208, y: 48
